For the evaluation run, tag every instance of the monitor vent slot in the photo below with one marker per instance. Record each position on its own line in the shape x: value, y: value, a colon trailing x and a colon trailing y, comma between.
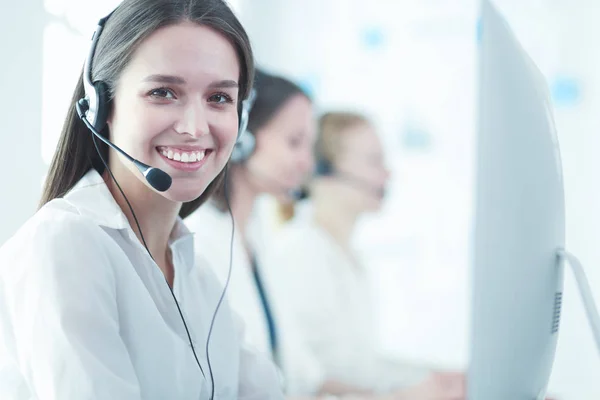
x: 556, y: 314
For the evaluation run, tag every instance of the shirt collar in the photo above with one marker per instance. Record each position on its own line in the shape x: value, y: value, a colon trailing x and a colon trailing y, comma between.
x: 91, y: 197
x: 182, y: 242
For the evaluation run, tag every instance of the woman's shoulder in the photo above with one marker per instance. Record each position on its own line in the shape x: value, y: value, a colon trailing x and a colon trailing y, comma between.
x: 55, y: 231
x: 208, y: 221
x: 56, y: 218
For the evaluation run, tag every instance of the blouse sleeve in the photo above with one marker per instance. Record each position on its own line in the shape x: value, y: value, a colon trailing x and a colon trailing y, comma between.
x: 61, y: 308
x: 259, y: 378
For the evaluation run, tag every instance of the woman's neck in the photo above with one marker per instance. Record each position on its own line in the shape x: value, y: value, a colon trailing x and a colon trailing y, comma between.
x: 155, y: 214
x: 335, y: 219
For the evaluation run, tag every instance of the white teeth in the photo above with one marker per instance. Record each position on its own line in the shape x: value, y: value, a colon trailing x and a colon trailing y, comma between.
x: 184, y: 157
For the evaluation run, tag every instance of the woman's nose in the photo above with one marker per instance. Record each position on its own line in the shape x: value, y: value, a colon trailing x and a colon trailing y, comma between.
x: 193, y: 120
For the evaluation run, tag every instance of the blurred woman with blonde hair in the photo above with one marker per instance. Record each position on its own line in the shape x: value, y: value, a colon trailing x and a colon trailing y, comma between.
x: 325, y: 285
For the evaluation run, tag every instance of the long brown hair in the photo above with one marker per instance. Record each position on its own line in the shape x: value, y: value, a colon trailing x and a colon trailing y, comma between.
x: 332, y: 127
x: 129, y: 25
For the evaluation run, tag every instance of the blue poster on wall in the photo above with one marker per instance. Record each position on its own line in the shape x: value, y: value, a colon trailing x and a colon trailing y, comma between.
x: 566, y: 91
x: 373, y: 38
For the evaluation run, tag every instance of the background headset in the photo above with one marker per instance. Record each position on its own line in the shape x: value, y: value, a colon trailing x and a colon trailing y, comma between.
x: 93, y: 110
x: 246, y: 144
x: 324, y: 167
x: 246, y: 141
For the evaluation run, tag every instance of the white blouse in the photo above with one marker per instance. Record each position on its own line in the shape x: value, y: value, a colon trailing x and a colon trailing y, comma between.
x: 85, y: 313
x: 328, y: 295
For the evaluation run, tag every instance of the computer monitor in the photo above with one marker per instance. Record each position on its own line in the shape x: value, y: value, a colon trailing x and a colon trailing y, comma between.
x: 519, y: 223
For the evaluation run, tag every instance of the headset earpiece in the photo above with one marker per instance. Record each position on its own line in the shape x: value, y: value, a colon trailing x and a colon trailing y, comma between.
x: 95, y: 104
x: 102, y: 93
x: 323, y: 167
x: 246, y: 142
x: 243, y: 148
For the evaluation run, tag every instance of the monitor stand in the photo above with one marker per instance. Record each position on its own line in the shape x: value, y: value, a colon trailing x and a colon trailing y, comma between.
x: 585, y: 291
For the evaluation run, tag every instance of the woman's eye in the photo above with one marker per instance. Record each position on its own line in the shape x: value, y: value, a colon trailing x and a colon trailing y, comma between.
x: 294, y: 142
x: 162, y: 93
x: 220, y: 98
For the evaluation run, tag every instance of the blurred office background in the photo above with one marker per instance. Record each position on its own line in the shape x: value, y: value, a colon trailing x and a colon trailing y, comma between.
x: 411, y: 65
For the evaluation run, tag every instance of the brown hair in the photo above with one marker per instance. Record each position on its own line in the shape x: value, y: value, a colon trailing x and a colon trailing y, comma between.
x: 332, y: 126
x: 329, y: 144
x: 272, y: 92
x: 127, y: 27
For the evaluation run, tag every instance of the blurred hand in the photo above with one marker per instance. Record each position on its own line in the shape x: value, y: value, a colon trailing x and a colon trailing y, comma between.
x: 439, y: 386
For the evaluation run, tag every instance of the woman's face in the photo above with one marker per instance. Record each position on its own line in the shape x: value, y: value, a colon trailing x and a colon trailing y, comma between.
x: 175, y: 108
x: 362, y: 174
x: 283, y: 157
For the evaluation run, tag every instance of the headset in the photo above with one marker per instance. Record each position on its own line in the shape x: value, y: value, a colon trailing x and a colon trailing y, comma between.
x: 246, y: 144
x: 93, y: 110
x: 325, y: 168
x: 246, y: 141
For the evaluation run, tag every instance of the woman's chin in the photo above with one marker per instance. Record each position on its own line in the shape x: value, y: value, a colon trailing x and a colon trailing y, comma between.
x: 373, y: 204
x: 184, y: 193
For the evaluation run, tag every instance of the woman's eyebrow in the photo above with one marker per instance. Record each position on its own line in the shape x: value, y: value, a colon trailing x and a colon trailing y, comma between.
x: 177, y: 80
x: 224, y: 84
x: 160, y: 78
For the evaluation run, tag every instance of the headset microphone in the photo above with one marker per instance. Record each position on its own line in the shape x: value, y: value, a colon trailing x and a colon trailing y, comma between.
x: 325, y: 168
x: 157, y: 178
x: 298, y: 194
x: 278, y: 188
x: 360, y: 183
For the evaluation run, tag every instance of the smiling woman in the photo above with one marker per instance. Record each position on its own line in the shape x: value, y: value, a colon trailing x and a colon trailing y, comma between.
x: 90, y: 284
x: 194, y: 105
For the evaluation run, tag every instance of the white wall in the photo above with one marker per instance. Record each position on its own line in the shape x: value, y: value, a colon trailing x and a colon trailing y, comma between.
x: 43, y: 44
x: 20, y: 110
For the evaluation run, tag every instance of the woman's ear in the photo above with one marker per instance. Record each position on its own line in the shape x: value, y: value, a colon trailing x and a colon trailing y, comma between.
x: 109, y: 118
